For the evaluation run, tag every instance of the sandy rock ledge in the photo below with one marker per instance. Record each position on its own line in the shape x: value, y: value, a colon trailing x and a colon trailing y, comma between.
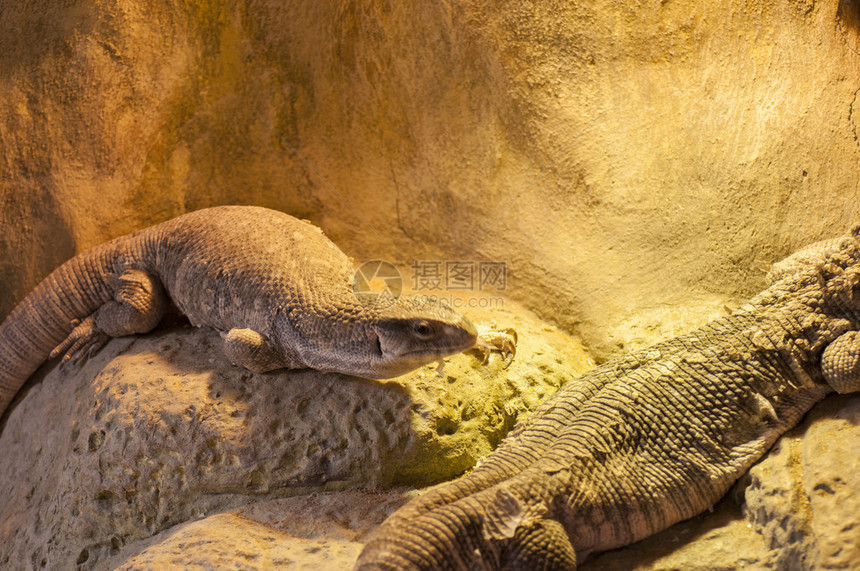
x: 796, y: 510
x: 159, y: 453
x: 159, y: 430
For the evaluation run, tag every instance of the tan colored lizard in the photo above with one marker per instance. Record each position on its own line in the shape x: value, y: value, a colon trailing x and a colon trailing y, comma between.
x: 278, y: 290
x: 645, y: 440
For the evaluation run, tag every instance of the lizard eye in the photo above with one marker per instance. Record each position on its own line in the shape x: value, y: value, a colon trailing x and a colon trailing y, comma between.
x: 423, y: 330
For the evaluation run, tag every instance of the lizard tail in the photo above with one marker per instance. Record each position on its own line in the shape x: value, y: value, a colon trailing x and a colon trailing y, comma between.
x: 467, y: 535
x: 438, y: 540
x: 47, y: 315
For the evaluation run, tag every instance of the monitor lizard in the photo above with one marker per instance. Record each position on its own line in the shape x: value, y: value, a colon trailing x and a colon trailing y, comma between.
x: 278, y: 290
x: 647, y: 439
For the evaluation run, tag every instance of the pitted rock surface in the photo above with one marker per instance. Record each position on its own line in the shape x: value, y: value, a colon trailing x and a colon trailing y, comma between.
x: 157, y: 430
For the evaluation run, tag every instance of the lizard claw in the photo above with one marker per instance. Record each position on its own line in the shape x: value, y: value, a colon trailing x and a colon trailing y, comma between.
x: 504, y: 341
x: 84, y: 341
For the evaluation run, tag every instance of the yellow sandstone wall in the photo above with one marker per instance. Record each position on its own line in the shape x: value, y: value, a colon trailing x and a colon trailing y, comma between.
x: 622, y: 158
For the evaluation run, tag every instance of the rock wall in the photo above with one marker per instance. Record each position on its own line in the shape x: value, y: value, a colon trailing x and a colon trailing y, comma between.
x: 619, y: 157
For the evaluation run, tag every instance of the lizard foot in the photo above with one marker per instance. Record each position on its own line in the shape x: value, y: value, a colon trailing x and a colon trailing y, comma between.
x: 138, y: 304
x: 503, y: 341
x: 84, y: 341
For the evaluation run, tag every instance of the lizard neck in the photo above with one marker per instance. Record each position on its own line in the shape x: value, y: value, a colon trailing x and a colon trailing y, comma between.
x: 328, y: 335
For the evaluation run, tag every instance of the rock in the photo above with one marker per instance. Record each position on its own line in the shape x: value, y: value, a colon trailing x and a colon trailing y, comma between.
x: 804, y: 496
x: 318, y: 531
x: 158, y: 445
x: 799, y: 513
x: 157, y: 430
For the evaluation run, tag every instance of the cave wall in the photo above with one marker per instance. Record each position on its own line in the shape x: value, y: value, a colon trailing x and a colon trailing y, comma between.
x: 622, y: 158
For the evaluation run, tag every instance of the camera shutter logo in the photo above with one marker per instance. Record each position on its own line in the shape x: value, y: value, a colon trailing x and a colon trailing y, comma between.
x: 377, y: 284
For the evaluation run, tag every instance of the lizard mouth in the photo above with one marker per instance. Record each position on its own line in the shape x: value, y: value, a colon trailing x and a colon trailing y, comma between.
x: 394, y: 365
x: 441, y: 351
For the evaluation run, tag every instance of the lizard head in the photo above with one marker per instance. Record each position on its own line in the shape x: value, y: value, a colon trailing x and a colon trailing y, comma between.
x: 416, y: 331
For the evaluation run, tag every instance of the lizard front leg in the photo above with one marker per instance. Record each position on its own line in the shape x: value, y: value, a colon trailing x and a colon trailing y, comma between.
x: 138, y: 305
x: 529, y: 539
x: 250, y: 349
x: 840, y: 363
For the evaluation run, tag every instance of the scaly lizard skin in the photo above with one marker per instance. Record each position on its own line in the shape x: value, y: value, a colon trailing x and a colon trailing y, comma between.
x: 278, y: 290
x: 646, y: 440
